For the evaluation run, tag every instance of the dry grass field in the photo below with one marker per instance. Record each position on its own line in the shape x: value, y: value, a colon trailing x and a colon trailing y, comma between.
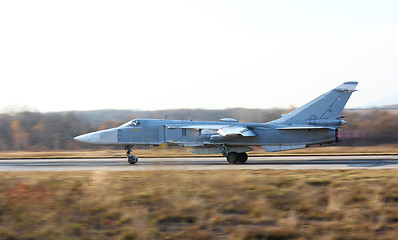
x: 241, y: 204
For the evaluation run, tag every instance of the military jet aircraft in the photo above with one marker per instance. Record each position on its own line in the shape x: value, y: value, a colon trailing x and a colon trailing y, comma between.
x: 316, y: 122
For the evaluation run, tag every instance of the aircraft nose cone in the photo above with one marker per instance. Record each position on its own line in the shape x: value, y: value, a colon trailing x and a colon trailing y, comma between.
x: 92, y: 138
x: 105, y: 137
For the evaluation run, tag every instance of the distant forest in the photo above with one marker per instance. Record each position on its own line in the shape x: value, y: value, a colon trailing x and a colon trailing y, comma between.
x: 35, y: 131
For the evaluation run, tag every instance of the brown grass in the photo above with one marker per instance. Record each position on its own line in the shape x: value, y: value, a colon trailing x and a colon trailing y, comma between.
x: 241, y: 204
x: 182, y: 152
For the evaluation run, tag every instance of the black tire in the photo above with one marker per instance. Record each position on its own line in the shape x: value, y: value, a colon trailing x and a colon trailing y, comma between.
x: 242, y: 157
x: 132, y: 159
x: 232, y: 157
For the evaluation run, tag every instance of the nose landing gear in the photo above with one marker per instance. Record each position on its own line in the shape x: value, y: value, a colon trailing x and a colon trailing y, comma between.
x: 130, y: 158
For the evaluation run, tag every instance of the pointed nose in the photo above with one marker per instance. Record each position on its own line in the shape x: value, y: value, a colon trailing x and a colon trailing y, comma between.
x: 92, y: 138
x: 105, y: 137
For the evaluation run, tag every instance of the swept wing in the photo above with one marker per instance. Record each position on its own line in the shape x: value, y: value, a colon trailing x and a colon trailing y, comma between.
x: 223, y: 130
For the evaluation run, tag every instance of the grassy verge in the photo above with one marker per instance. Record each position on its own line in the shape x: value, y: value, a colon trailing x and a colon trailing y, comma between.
x: 182, y: 152
x: 262, y: 204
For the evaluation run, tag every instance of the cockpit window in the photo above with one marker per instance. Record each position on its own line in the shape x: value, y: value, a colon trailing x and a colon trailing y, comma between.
x: 133, y: 123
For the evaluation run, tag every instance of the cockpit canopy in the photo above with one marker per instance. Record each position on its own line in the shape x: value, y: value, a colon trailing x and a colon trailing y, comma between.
x: 132, y: 123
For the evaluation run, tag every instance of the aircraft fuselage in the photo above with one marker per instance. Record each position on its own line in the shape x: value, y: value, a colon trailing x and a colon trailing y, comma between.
x: 158, y: 132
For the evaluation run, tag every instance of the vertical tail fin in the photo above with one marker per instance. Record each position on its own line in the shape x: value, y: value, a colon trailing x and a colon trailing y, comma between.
x: 323, y: 110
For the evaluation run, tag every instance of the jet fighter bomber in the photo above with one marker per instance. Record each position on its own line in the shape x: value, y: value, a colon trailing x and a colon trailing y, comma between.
x: 316, y: 122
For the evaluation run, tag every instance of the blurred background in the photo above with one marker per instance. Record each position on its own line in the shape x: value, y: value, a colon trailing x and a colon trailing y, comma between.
x: 36, y: 131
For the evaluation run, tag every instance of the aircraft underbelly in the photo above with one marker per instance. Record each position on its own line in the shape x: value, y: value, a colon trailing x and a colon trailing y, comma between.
x: 273, y: 136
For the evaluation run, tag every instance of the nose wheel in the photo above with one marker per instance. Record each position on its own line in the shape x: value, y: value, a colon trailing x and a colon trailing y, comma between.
x: 130, y: 158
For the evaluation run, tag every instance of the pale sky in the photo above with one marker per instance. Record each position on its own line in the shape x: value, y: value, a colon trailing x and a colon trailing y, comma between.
x: 86, y: 55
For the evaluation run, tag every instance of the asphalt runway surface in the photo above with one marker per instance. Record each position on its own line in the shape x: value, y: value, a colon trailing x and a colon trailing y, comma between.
x: 202, y: 163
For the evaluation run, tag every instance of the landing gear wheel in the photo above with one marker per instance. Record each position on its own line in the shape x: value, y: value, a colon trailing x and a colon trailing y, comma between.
x: 235, y: 158
x: 232, y: 157
x: 242, y: 157
x: 132, y: 159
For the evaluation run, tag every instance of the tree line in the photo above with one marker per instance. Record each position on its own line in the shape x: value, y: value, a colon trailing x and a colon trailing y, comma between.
x: 35, y: 131
x: 371, y: 127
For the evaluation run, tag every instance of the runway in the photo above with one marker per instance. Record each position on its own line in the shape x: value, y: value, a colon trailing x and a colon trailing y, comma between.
x: 202, y: 163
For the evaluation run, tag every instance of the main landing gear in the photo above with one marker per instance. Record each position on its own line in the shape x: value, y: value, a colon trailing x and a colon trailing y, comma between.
x: 130, y: 158
x: 232, y: 157
x: 235, y: 158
